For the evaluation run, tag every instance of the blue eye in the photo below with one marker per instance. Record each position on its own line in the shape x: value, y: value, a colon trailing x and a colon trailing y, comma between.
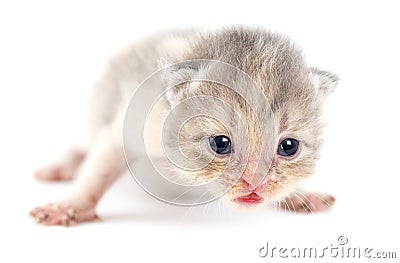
x: 221, y: 144
x: 288, y: 147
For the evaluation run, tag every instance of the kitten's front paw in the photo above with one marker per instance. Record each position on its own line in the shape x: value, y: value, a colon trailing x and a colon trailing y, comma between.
x: 306, y: 202
x: 56, y: 214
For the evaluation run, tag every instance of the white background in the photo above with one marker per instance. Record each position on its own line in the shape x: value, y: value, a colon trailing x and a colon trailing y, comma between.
x: 50, y: 54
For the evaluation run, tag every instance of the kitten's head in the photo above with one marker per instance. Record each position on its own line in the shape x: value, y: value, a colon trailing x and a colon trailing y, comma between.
x: 261, y: 144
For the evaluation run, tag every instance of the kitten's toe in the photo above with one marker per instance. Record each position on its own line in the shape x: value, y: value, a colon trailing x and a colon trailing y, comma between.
x: 307, y: 202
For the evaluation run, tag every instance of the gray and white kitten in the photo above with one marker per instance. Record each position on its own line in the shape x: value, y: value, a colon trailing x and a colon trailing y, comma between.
x: 294, y: 91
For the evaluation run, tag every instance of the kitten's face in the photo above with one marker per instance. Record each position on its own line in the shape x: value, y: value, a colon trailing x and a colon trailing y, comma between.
x: 232, y: 139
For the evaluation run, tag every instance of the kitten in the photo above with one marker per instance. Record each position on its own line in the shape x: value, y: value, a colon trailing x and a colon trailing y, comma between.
x: 279, y: 130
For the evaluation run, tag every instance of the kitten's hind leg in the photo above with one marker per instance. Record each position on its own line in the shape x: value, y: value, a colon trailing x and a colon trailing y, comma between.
x: 104, y: 164
x: 63, y: 170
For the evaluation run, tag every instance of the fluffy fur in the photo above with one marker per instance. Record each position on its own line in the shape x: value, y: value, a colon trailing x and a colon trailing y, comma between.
x: 295, y: 93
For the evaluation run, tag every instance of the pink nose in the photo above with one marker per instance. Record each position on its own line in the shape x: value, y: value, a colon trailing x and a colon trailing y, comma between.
x: 260, y: 187
x: 256, y: 171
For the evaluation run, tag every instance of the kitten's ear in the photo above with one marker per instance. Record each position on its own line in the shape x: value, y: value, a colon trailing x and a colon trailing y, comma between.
x: 325, y: 81
x: 173, y: 75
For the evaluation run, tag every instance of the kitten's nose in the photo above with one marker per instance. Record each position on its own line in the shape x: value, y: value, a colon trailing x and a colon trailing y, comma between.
x: 254, y: 188
x: 246, y: 179
x: 254, y: 176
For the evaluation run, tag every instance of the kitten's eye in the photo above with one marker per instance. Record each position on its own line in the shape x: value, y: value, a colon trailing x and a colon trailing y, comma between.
x: 220, y: 144
x: 288, y: 147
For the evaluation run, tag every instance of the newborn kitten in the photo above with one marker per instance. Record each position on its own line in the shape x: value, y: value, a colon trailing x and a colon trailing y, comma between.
x: 294, y: 92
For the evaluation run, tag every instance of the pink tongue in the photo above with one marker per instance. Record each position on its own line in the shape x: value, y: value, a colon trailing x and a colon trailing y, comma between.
x: 252, y: 198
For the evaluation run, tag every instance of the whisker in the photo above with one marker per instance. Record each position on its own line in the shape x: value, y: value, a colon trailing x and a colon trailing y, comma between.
x: 205, y: 210
x: 287, y: 207
x: 219, y: 211
x: 185, y: 192
x: 310, y: 209
x: 276, y: 204
x: 191, y: 208
x: 320, y: 198
x: 294, y: 208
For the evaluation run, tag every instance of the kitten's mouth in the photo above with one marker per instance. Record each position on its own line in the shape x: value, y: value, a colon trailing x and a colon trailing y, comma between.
x: 250, y: 199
